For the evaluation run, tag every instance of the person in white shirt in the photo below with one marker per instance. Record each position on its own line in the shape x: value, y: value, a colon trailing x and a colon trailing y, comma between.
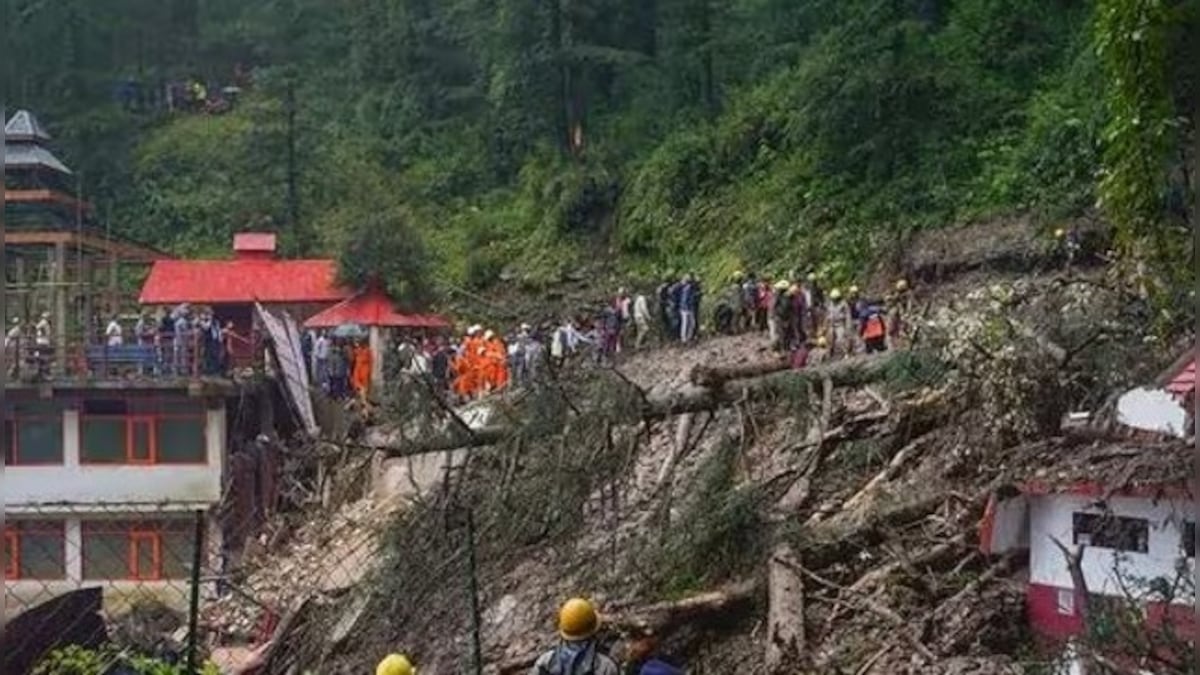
x: 113, y: 335
x: 321, y: 360
x: 42, y: 331
x: 641, y: 318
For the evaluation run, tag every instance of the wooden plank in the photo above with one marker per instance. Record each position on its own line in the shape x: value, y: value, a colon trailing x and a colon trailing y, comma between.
x: 123, y: 250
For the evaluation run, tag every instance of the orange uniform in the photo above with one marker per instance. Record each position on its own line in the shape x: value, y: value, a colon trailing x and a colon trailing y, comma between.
x: 360, y: 376
x: 495, y: 357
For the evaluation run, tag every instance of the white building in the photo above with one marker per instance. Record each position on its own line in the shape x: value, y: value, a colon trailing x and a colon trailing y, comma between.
x: 102, y: 486
x: 1133, y: 535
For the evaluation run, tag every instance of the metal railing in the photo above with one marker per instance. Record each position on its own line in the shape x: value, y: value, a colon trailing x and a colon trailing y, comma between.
x: 27, y: 360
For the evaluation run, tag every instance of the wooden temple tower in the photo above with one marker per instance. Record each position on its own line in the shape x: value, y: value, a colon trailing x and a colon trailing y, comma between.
x: 58, y: 260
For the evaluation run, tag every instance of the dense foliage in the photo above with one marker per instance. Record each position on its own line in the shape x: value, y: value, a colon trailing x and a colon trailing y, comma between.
x: 532, y: 136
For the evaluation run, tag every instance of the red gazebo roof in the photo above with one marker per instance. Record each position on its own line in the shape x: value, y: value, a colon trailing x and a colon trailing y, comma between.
x: 1180, y: 377
x: 372, y: 307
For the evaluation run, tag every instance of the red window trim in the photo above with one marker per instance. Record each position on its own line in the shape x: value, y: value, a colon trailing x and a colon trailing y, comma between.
x: 134, y: 532
x: 154, y: 537
x: 12, y: 554
x: 150, y: 419
x: 12, y: 544
x: 15, y: 447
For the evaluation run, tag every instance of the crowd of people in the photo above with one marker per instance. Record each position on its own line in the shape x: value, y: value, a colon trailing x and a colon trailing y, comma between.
x: 181, y: 341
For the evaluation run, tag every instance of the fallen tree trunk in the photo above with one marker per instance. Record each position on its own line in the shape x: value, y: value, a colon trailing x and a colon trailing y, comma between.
x: 785, y: 611
x: 714, y: 377
x: 689, y: 399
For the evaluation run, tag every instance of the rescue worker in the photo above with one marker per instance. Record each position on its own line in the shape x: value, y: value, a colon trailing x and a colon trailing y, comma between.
x: 578, y: 652
x: 493, y: 360
x: 360, y: 374
x: 899, y: 306
x: 837, y: 324
x: 466, y: 371
x: 816, y: 307
x: 819, y: 352
x: 1068, y: 244
x: 749, y: 303
x: 874, y: 329
x: 395, y: 664
x: 781, y: 316
x: 856, y: 307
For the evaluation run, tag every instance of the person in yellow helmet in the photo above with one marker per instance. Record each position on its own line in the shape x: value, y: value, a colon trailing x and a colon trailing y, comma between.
x: 395, y: 664
x: 577, y: 652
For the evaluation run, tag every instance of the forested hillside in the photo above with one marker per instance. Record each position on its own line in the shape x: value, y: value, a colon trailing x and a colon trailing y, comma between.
x: 452, y: 139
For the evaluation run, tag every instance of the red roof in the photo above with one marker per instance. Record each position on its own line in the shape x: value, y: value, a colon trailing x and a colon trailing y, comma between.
x: 1184, y: 382
x: 216, y: 282
x: 372, y: 307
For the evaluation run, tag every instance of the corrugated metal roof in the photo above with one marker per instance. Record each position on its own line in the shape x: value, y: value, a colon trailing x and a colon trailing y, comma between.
x: 23, y: 126
x: 372, y: 307
x: 241, y: 281
x: 28, y: 154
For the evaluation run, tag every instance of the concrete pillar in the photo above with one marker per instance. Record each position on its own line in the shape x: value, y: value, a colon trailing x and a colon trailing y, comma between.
x: 73, y: 541
x: 72, y: 450
x: 214, y: 437
x: 59, y: 285
x: 376, y: 342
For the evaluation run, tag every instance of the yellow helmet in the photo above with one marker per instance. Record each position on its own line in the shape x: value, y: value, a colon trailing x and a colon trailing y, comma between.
x: 578, y: 620
x: 812, y: 276
x: 739, y: 275
x: 822, y: 342
x: 835, y: 294
x: 781, y: 285
x: 1059, y: 233
x: 854, y: 290
x: 901, y: 285
x: 395, y: 664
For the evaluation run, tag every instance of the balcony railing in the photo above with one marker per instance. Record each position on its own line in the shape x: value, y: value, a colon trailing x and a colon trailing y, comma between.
x: 163, y: 356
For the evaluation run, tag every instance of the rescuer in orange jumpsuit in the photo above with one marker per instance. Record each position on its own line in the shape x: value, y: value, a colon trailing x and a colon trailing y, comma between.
x: 495, y: 361
x: 360, y: 377
x: 467, y: 380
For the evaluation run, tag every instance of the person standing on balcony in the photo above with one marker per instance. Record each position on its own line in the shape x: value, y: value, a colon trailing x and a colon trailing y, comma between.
x: 181, y: 341
x: 12, y: 346
x: 321, y: 361
x: 114, y: 336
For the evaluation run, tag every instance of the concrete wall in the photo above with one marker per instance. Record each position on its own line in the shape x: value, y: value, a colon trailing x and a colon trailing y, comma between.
x: 1051, y: 516
x: 71, y: 483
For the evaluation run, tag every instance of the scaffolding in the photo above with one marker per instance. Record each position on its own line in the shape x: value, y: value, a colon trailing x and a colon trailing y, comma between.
x: 63, y: 271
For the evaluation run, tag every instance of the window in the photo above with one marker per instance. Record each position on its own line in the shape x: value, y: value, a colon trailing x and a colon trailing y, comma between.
x: 144, y: 438
x: 1189, y: 538
x: 33, y: 434
x: 34, y: 550
x: 1115, y: 532
x: 142, y: 550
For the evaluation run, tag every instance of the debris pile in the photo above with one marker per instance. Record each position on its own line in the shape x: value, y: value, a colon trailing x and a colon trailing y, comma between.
x: 756, y: 519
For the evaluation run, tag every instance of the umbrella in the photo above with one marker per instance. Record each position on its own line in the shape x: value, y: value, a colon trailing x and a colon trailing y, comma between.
x: 349, y: 330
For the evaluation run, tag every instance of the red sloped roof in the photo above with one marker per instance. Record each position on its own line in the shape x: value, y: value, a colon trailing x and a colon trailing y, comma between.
x: 371, y: 307
x: 216, y: 282
x: 1184, y: 382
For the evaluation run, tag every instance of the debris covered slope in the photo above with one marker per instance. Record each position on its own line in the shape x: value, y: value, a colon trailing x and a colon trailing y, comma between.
x: 797, y: 521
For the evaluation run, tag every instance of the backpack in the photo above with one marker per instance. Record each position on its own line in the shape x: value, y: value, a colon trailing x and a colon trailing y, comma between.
x: 588, y: 666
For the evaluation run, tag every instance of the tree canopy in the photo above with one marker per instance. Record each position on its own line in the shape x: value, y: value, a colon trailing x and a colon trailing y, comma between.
x: 531, y: 136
